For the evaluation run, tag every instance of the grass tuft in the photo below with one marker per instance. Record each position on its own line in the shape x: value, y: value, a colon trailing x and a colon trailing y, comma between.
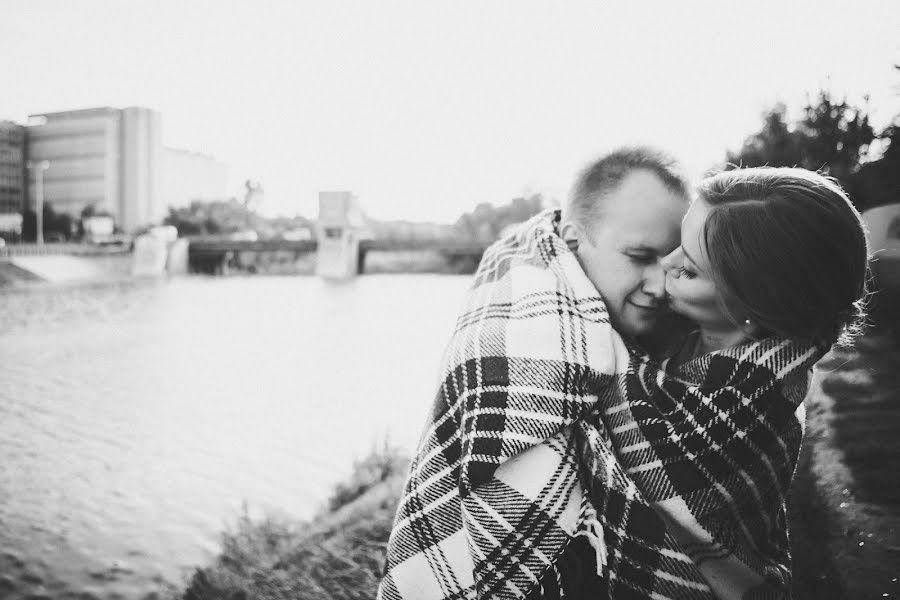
x: 338, y: 555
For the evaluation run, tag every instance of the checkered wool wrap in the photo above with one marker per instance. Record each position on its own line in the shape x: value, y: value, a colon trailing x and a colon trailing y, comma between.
x: 556, y: 462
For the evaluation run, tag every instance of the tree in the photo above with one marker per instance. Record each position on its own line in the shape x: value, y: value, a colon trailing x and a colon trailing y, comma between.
x: 776, y: 144
x: 213, y: 217
x: 487, y: 221
x: 877, y: 183
x: 229, y: 216
x: 831, y: 136
x: 57, y: 226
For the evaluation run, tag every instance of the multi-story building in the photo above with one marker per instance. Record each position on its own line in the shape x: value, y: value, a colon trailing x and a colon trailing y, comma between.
x: 12, y: 176
x: 189, y: 176
x: 108, y: 158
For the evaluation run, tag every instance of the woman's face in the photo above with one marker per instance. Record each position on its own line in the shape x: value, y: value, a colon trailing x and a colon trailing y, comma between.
x: 692, y: 292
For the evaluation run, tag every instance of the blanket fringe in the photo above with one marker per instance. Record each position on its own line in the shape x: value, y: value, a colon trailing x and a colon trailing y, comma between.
x: 593, y: 531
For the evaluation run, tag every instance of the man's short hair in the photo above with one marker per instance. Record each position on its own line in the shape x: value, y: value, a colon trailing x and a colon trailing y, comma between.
x: 606, y: 174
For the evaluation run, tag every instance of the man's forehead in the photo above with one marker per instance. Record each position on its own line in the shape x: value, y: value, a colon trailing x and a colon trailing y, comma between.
x: 644, y: 228
x: 641, y: 191
x: 642, y: 210
x: 659, y: 237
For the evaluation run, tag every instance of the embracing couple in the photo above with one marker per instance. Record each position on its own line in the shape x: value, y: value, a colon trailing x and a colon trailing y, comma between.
x: 584, y: 444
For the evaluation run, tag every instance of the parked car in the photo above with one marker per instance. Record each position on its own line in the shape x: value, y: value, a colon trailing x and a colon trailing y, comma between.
x: 883, y: 223
x: 55, y: 237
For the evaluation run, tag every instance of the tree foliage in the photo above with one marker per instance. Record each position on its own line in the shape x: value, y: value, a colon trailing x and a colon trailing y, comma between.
x: 57, y: 226
x: 222, y: 217
x: 831, y: 136
x: 487, y: 222
x: 877, y: 183
x: 483, y: 225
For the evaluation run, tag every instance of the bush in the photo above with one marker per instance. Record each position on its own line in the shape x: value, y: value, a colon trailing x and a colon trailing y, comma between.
x: 338, y: 555
x: 380, y: 465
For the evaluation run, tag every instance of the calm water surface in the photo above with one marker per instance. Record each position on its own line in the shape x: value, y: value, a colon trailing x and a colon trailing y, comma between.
x: 136, y: 419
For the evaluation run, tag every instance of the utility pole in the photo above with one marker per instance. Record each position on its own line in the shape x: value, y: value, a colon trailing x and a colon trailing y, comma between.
x: 38, y: 167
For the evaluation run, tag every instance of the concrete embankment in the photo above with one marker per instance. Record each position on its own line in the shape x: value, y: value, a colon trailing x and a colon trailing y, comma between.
x: 61, y: 268
x: 11, y: 274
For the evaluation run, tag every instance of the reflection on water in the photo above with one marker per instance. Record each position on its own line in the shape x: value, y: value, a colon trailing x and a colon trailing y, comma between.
x: 135, y: 419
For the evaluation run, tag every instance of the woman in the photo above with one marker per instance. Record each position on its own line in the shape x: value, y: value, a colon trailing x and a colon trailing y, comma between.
x: 768, y: 252
x: 772, y: 267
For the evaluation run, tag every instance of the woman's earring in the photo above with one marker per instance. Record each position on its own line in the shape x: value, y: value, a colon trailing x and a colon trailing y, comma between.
x: 749, y: 328
x: 573, y: 245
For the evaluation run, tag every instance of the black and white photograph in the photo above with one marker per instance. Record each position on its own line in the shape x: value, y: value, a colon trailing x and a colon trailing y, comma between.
x: 469, y: 300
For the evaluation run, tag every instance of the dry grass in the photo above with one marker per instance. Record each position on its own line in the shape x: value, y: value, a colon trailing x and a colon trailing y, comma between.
x: 338, y: 555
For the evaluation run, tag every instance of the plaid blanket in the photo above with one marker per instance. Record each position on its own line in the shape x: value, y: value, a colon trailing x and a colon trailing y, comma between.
x: 692, y: 494
x: 557, y: 461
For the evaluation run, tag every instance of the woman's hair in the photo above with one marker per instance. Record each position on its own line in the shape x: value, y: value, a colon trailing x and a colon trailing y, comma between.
x: 788, y: 252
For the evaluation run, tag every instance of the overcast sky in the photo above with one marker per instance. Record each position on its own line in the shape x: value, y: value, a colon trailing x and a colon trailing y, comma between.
x: 426, y: 108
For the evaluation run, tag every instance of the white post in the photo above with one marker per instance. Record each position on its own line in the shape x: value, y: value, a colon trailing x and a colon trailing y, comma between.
x: 340, y: 220
x: 39, y: 196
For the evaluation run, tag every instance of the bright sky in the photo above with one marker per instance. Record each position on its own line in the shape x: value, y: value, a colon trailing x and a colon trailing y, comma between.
x: 426, y: 108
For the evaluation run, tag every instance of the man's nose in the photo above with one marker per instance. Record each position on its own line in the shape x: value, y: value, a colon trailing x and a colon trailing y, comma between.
x: 655, y: 280
x: 671, y: 260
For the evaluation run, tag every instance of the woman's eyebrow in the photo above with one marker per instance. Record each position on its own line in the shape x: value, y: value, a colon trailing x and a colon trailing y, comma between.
x: 690, y: 258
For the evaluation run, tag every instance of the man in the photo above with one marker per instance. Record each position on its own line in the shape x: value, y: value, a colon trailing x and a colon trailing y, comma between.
x: 493, y: 492
x: 623, y: 217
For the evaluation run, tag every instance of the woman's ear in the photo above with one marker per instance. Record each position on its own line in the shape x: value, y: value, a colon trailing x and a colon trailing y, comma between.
x: 570, y: 233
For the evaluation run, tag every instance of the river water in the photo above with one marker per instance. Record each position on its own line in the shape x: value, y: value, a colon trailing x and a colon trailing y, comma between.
x: 137, y: 418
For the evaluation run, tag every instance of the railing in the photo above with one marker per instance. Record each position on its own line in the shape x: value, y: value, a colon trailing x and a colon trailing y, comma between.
x: 444, y: 246
x: 207, y: 246
x: 60, y: 248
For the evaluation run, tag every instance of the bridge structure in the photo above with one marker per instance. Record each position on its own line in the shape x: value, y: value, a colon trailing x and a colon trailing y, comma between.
x: 208, y: 255
x: 342, y: 243
x: 339, y: 250
x: 211, y: 255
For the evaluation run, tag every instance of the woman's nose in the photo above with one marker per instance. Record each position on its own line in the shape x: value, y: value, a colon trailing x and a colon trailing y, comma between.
x: 672, y: 260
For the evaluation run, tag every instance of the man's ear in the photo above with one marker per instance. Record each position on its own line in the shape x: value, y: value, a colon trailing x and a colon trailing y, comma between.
x: 571, y: 234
